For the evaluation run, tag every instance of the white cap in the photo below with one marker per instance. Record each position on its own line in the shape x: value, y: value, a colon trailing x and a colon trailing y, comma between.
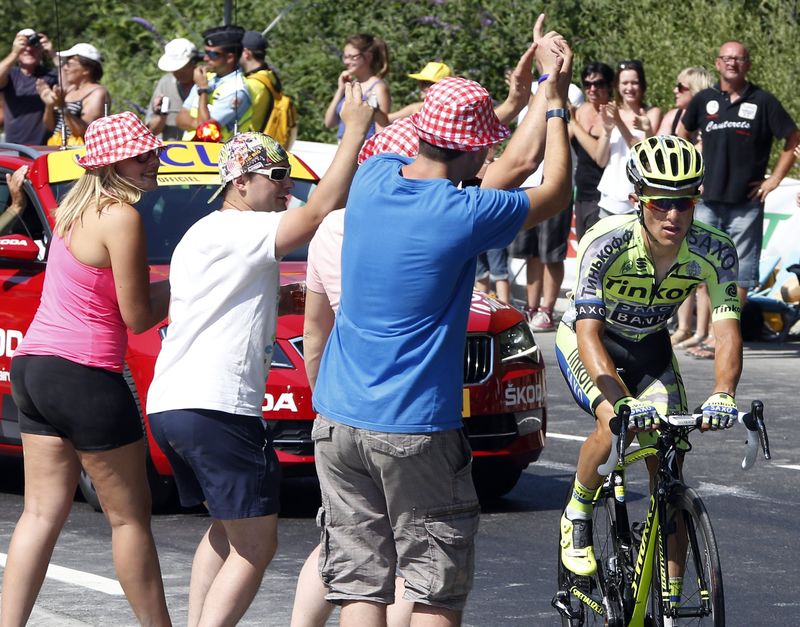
x: 177, y: 53
x: 27, y: 32
x: 87, y: 51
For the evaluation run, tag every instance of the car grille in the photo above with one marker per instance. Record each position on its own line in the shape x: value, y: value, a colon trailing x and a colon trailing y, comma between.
x: 292, y: 436
x: 491, y: 432
x: 478, y: 359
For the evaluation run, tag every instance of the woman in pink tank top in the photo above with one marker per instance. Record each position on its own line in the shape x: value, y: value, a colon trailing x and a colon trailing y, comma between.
x: 76, y: 410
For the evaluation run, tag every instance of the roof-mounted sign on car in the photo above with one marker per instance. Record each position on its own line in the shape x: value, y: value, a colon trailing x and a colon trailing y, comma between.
x: 196, y: 161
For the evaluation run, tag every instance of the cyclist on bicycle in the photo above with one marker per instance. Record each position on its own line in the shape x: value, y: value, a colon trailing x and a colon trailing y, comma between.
x: 613, y: 346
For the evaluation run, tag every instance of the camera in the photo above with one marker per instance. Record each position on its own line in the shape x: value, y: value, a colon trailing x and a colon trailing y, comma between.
x: 34, y: 41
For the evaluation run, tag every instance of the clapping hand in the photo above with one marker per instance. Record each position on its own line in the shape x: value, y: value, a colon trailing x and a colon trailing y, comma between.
x: 355, y: 113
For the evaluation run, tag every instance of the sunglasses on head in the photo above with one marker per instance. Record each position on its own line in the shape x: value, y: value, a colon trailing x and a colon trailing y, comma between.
x: 146, y: 156
x: 275, y: 173
x: 665, y: 204
x: 630, y: 65
x: 213, y: 54
x: 596, y: 84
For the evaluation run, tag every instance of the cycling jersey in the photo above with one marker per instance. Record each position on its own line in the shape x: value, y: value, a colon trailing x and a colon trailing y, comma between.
x: 616, y: 279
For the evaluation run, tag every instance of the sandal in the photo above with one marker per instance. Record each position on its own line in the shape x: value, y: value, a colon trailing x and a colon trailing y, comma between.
x: 702, y: 351
x: 695, y: 340
x: 679, y: 336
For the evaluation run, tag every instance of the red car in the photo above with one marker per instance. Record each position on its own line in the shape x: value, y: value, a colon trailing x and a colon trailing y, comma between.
x: 504, y: 391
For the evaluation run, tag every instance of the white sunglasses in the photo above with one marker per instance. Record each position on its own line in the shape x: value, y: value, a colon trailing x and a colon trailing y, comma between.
x: 275, y: 173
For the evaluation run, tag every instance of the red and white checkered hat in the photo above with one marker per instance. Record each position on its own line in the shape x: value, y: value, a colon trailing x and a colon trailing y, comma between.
x: 116, y: 138
x: 458, y: 114
x: 399, y: 138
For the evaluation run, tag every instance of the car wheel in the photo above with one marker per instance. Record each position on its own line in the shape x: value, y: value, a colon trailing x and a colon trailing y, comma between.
x: 494, y: 477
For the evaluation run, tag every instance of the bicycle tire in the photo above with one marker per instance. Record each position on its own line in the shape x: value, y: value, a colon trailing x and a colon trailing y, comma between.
x: 702, y: 555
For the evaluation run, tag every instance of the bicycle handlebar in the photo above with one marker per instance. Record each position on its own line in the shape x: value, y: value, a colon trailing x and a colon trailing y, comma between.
x: 752, y: 420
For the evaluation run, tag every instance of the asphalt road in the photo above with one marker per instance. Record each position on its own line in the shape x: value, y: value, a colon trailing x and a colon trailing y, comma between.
x: 753, y: 513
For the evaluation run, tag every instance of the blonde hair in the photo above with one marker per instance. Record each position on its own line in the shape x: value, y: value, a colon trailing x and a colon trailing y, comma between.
x: 99, y: 188
x: 696, y: 79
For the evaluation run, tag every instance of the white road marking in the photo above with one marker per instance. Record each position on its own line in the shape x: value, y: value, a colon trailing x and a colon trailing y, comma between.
x: 79, y: 578
x: 565, y: 436
x: 788, y: 466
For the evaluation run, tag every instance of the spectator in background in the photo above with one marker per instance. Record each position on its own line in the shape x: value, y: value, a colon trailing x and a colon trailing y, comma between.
x: 81, y: 100
x: 75, y: 408
x: 219, y: 93
x: 739, y: 122
x: 625, y: 122
x: 366, y: 59
x: 585, y: 128
x: 179, y: 60
x: 258, y: 74
x: 17, y: 200
x: 428, y: 76
x: 544, y: 248
x: 690, y: 81
x: 20, y: 70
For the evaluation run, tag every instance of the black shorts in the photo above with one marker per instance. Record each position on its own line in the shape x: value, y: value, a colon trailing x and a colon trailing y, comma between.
x: 223, y: 459
x: 91, y: 407
x: 546, y: 241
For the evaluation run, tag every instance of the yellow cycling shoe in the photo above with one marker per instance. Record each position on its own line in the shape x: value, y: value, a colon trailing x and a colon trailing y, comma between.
x: 577, y: 552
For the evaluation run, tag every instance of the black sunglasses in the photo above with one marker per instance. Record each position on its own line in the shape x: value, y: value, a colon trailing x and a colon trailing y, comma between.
x: 596, y: 84
x: 145, y: 156
x: 213, y: 54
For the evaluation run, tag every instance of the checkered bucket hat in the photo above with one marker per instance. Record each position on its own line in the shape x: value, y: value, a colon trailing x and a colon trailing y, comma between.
x: 246, y: 152
x: 399, y: 138
x: 458, y: 114
x: 115, y: 138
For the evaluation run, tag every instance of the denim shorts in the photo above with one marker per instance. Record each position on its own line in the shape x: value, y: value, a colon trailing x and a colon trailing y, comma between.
x: 396, y: 501
x: 493, y: 264
x: 744, y: 224
x: 223, y: 459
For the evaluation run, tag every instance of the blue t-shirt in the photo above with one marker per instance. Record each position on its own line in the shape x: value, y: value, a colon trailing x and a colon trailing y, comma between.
x: 393, y: 362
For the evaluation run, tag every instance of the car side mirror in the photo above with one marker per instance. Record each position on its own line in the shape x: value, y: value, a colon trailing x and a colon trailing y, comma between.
x: 19, y: 247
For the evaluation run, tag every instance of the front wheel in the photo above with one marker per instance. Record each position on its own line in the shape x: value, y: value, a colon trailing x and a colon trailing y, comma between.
x: 702, y: 600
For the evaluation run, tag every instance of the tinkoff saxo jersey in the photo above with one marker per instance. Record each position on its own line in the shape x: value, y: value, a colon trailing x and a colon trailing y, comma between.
x: 616, y: 277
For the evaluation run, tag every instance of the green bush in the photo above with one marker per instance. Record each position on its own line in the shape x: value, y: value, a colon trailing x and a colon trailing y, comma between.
x: 478, y: 38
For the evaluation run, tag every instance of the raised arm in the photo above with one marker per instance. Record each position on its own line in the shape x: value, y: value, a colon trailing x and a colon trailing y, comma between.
x: 300, y: 223
x: 331, y: 117
x: 18, y: 201
x: 552, y: 196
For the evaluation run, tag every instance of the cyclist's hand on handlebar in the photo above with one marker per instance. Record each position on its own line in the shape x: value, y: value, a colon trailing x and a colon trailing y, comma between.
x: 719, y: 412
x: 644, y: 415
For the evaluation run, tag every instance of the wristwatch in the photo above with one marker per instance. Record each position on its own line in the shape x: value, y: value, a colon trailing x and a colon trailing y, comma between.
x: 558, y: 113
x: 208, y: 90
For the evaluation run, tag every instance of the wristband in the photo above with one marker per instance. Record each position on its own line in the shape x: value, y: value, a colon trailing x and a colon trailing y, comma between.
x: 543, y: 78
x: 557, y: 113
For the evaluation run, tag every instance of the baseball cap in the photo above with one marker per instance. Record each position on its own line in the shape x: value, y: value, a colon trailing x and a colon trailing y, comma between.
x: 399, y: 138
x: 458, y: 115
x: 433, y: 72
x: 253, y: 40
x: 177, y: 53
x: 27, y: 32
x: 244, y: 153
x: 88, y: 51
x: 223, y: 36
x: 115, y: 138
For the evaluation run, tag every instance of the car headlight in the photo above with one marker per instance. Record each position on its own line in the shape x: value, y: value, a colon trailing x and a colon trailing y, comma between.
x: 517, y: 342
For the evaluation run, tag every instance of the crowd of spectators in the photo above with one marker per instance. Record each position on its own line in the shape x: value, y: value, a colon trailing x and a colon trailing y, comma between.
x: 394, y: 421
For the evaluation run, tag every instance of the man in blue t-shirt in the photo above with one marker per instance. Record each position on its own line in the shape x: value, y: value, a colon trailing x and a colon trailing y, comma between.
x: 393, y: 461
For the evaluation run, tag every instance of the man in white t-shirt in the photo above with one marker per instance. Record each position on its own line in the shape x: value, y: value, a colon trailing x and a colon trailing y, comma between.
x: 204, y: 404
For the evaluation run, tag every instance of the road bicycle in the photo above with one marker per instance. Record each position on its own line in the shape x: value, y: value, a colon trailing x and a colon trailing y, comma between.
x: 631, y: 587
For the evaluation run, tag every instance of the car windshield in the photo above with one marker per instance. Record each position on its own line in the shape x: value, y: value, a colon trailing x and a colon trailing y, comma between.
x: 170, y: 210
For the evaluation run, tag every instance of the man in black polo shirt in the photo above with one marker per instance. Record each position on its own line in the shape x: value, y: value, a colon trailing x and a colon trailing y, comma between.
x: 738, y: 121
x: 19, y: 71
